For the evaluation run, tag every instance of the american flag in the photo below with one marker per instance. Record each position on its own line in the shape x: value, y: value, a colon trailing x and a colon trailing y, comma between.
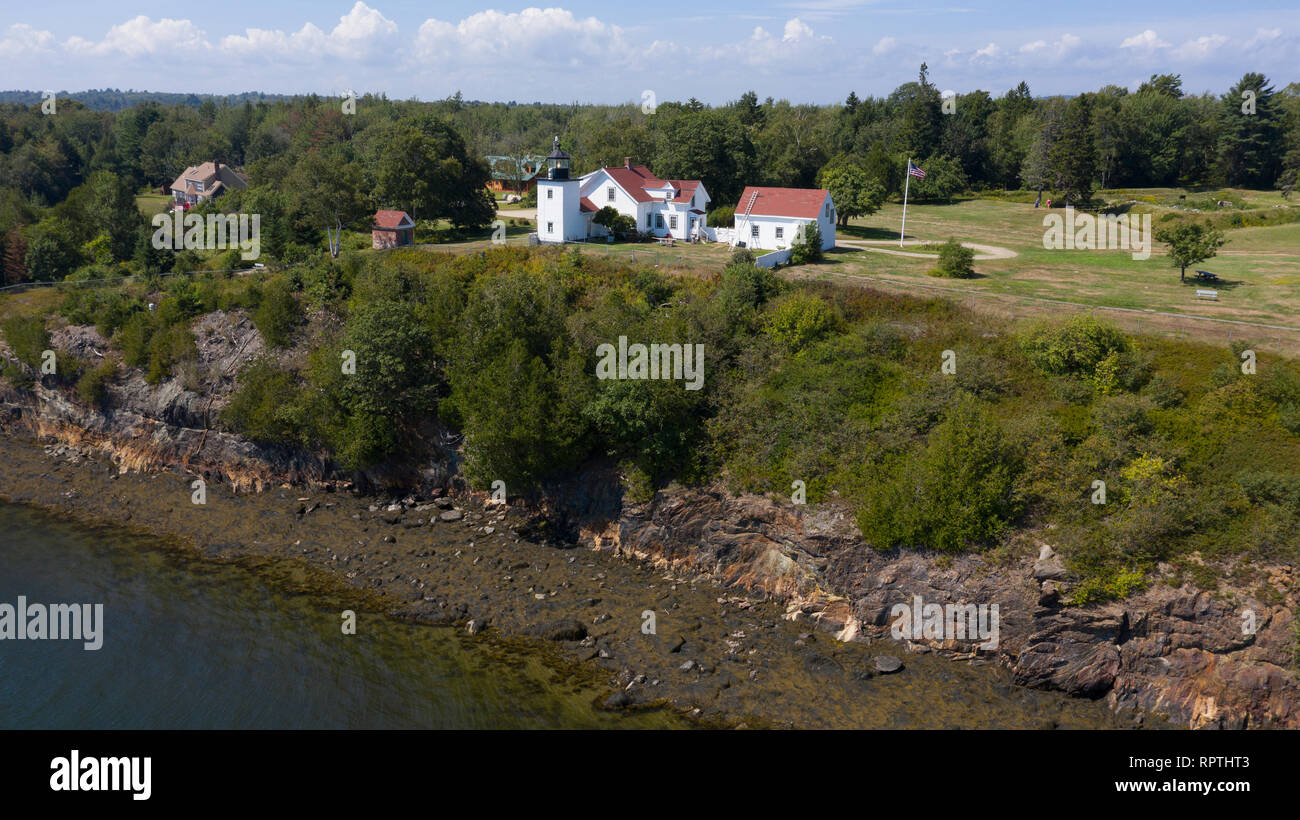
x: 912, y: 170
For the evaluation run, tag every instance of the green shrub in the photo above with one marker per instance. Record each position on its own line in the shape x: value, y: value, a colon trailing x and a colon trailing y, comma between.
x: 807, y: 245
x: 18, y: 377
x: 167, y: 348
x: 746, y: 286
x: 798, y: 319
x: 265, y: 407
x: 722, y: 216
x: 957, y: 493
x: 277, y: 314
x: 27, y: 337
x: 133, y: 339
x: 1077, y: 348
x: 92, y: 386
x: 955, y: 261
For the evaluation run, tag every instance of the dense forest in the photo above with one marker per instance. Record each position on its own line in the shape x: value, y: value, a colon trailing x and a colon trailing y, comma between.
x: 68, y: 181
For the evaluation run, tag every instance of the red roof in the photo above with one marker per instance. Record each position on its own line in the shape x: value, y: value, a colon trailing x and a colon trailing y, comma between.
x: 587, y: 206
x: 634, y: 179
x: 389, y: 220
x: 685, y: 188
x: 805, y: 203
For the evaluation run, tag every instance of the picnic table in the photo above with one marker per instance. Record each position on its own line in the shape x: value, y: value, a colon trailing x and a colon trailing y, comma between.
x: 666, y: 240
x: 1207, y: 276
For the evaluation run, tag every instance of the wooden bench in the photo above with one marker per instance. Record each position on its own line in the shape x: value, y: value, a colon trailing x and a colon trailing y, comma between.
x: 1207, y: 294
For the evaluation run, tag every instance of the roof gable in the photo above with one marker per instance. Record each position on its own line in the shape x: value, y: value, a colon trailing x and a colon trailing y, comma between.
x: 392, y: 220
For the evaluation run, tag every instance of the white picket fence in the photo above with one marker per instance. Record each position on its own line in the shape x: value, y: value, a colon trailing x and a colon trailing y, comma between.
x: 719, y: 234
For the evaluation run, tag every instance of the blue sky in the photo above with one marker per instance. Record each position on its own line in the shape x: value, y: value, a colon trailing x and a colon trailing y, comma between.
x: 803, y: 50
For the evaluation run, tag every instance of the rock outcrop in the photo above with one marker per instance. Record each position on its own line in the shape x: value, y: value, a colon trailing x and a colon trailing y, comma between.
x: 1176, y: 652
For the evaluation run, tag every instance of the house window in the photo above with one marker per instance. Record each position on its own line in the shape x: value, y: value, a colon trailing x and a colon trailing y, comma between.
x: 753, y: 231
x: 659, y: 220
x: 609, y: 192
x: 550, y: 227
x: 672, y: 222
x: 780, y: 233
x: 550, y: 193
x: 828, y: 210
x: 198, y: 183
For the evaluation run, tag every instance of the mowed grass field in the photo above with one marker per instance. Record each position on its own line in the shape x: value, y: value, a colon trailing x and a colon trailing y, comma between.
x: 1259, y: 267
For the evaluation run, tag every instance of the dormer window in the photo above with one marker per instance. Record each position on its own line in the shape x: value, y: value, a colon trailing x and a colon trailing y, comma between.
x: 198, y: 184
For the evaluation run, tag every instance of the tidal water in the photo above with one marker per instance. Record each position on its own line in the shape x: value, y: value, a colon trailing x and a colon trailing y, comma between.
x: 192, y: 644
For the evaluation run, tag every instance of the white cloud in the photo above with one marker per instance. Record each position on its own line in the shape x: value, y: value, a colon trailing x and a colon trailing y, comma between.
x: 1264, y: 35
x: 21, y: 40
x: 140, y: 36
x: 362, y: 33
x: 796, y: 29
x: 545, y: 36
x: 1201, y: 47
x: 798, y: 46
x: 1146, y: 41
x: 989, y: 52
x: 884, y: 46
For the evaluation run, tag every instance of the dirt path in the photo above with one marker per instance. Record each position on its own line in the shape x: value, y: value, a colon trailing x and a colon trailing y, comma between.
x: 517, y: 213
x: 982, y: 252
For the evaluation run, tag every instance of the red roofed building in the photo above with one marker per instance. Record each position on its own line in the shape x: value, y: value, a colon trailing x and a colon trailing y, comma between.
x: 392, y: 229
x: 771, y: 218
x: 658, y: 206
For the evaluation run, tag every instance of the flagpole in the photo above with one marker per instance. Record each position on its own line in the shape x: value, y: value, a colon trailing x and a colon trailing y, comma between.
x: 907, y: 183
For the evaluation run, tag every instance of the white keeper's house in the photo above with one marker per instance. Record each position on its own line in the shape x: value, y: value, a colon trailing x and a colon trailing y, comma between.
x: 660, y: 207
x: 770, y: 218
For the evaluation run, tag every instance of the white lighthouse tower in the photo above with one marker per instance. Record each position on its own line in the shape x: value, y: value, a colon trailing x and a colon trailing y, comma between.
x: 559, y: 201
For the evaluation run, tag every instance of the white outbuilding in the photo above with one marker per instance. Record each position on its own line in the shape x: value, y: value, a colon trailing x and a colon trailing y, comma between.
x: 771, y: 218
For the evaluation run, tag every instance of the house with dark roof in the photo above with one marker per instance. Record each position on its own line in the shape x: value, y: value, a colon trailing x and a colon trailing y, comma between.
x: 392, y: 229
x: 199, y: 183
x: 661, y: 207
x: 516, y: 175
x: 771, y: 218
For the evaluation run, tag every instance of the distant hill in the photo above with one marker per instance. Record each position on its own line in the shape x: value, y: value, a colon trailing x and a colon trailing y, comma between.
x: 112, y: 99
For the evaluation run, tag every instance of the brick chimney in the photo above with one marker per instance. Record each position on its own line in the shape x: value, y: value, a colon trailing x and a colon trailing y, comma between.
x: 627, y: 162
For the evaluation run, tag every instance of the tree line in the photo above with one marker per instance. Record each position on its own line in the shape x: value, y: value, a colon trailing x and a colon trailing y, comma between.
x: 67, y: 180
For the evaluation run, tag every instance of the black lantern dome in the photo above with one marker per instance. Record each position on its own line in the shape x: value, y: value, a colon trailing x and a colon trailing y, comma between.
x: 558, y: 162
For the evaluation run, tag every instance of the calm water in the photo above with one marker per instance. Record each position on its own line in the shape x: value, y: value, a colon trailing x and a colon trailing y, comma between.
x: 189, y: 644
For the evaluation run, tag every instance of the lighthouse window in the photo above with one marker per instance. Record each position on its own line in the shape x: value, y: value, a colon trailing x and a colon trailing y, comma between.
x: 550, y: 227
x: 550, y: 193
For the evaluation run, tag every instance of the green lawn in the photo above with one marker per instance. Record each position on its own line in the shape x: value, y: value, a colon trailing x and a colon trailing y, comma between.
x: 1259, y: 267
x: 152, y: 203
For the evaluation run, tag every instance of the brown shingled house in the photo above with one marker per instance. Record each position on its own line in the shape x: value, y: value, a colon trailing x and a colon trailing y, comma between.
x: 392, y: 229
x: 200, y: 183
